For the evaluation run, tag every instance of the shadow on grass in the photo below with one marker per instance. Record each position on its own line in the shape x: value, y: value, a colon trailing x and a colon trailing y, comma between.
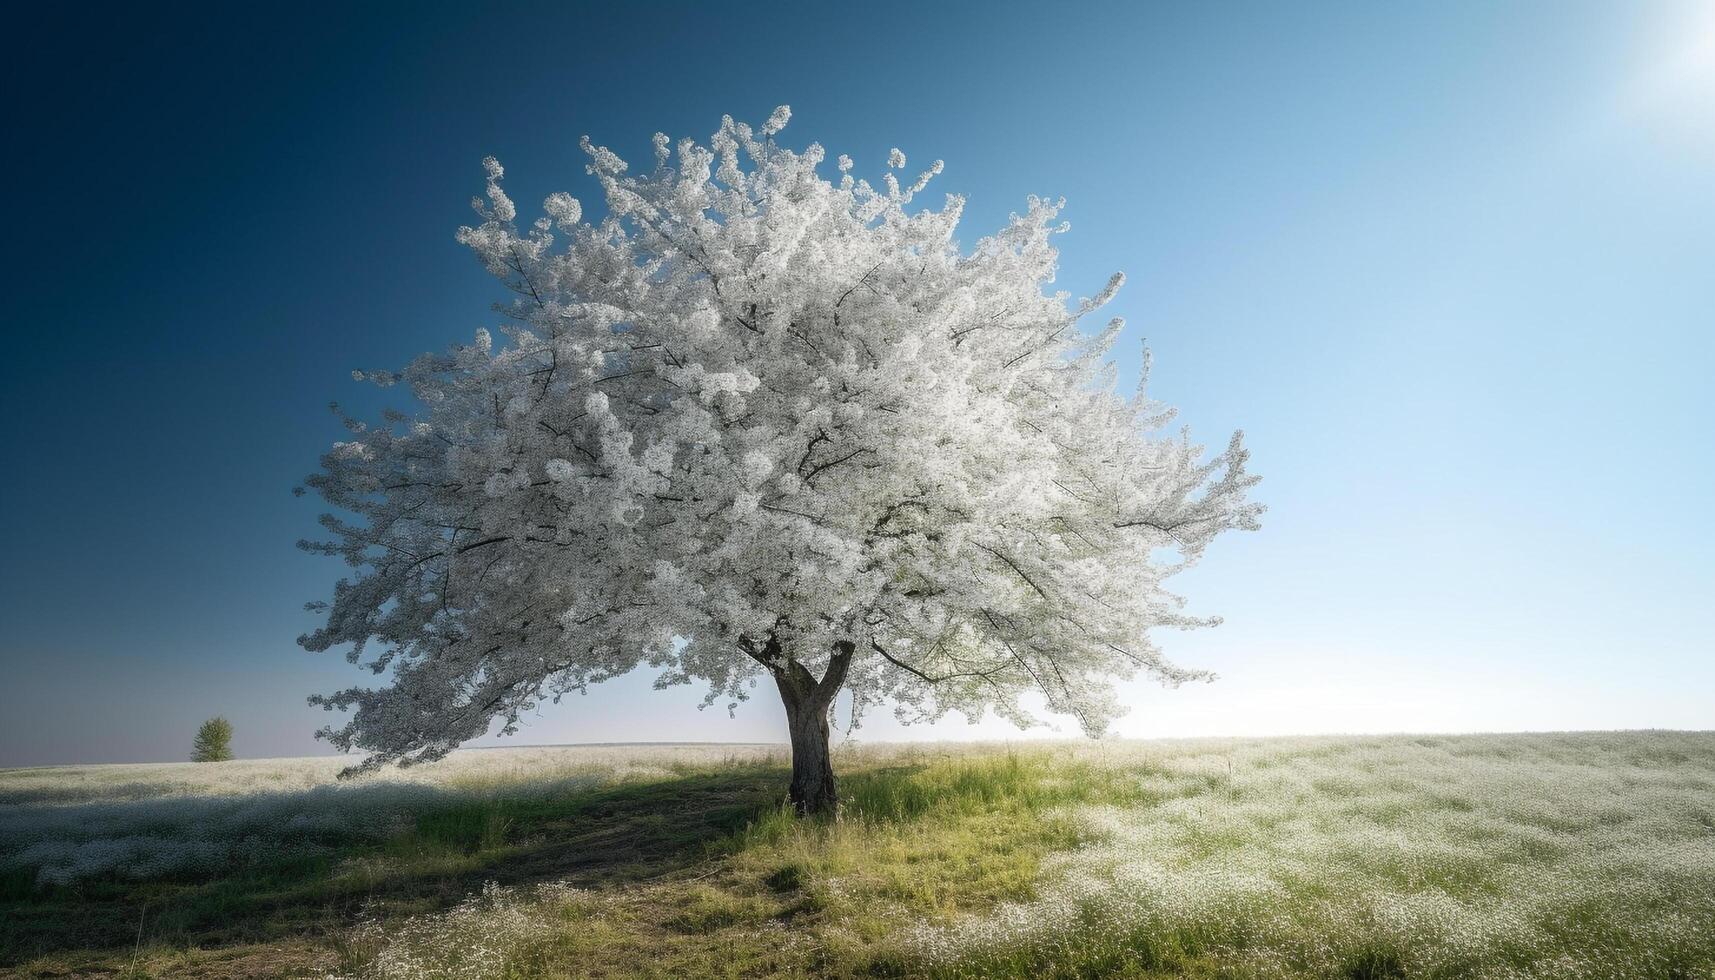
x: 450, y: 846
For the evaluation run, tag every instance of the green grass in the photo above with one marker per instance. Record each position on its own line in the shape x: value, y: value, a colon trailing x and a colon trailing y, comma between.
x: 623, y: 832
x: 1553, y: 855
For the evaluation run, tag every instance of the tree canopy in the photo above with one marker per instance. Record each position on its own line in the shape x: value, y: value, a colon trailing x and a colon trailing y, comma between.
x: 756, y: 422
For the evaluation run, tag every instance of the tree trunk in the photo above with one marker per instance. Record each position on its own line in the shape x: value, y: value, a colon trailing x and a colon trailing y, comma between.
x: 813, y: 791
x: 807, y: 702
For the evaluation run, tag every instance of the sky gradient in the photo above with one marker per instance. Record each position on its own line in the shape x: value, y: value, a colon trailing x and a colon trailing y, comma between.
x: 1451, y: 266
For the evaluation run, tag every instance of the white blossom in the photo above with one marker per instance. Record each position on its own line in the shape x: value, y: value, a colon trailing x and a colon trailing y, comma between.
x: 564, y: 209
x: 850, y: 438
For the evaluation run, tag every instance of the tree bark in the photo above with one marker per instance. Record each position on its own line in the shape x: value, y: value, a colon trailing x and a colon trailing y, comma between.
x: 807, y: 702
x: 813, y: 789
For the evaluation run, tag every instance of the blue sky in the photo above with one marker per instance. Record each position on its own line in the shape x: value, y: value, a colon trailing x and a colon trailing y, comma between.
x: 1451, y: 266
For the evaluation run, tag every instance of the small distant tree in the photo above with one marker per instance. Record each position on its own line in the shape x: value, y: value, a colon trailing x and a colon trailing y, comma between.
x: 755, y: 424
x: 213, y: 741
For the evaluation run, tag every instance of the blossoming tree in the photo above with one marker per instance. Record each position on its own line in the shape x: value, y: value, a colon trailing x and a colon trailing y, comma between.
x: 757, y: 424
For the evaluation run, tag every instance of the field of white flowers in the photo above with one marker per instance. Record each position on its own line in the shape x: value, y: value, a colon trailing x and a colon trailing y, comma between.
x: 68, y: 823
x: 1556, y: 855
x: 1574, y: 856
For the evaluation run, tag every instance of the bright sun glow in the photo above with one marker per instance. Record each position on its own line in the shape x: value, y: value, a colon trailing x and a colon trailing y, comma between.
x: 1678, y: 83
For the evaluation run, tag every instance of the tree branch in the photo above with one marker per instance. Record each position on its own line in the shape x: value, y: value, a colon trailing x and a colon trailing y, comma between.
x: 1014, y: 566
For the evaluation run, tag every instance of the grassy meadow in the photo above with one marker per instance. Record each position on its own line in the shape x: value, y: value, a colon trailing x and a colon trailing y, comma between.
x: 1555, y: 855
